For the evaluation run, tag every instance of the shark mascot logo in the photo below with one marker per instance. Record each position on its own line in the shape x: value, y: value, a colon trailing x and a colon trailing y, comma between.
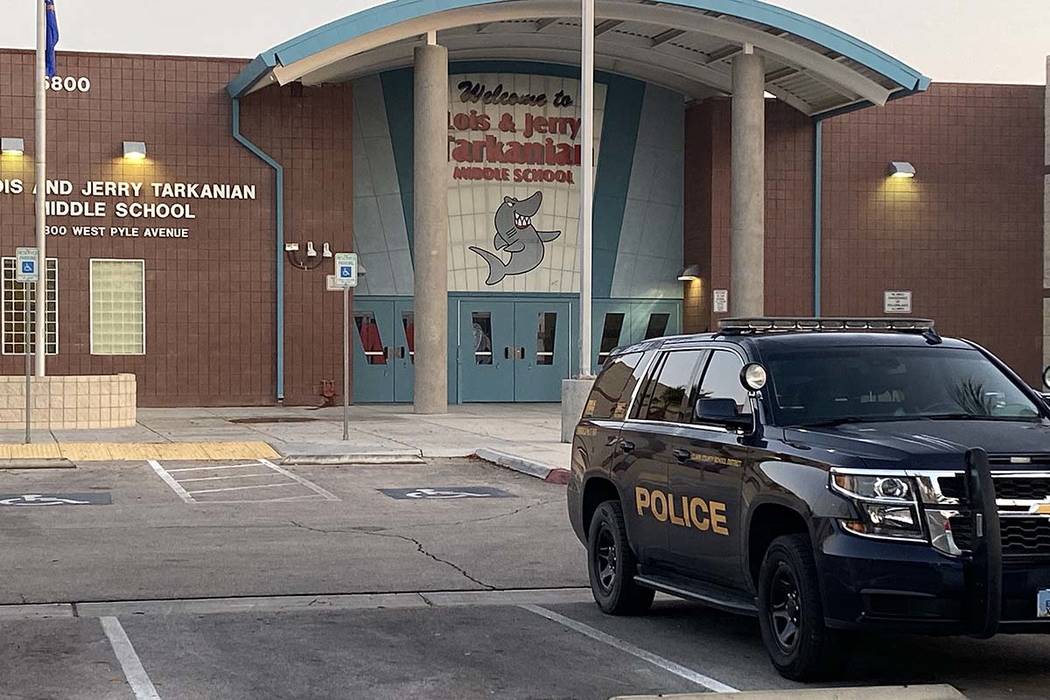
x: 516, y: 235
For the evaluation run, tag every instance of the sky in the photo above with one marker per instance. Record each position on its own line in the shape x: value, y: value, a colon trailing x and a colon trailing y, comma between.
x: 991, y: 41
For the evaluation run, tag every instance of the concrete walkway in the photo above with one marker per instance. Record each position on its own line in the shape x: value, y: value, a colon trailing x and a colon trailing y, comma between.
x: 527, y: 431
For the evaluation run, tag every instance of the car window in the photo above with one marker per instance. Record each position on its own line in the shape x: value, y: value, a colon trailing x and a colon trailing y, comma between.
x: 722, y: 381
x: 820, y: 385
x: 667, y: 394
x: 612, y: 390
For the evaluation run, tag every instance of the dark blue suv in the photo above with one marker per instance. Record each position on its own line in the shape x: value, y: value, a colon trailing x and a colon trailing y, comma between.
x: 822, y: 474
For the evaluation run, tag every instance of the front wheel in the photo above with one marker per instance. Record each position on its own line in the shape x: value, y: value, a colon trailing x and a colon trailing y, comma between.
x: 611, y: 564
x: 791, y: 613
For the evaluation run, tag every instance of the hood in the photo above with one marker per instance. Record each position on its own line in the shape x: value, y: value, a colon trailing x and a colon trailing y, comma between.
x: 929, y: 444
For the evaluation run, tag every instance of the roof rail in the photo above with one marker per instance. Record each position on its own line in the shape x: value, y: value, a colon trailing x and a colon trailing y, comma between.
x: 753, y: 325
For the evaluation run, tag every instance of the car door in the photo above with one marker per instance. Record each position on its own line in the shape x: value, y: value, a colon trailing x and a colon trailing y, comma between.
x: 647, y: 441
x: 706, y: 475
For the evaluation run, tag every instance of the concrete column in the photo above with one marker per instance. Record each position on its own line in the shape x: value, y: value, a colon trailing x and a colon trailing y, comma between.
x: 430, y: 228
x: 747, y: 223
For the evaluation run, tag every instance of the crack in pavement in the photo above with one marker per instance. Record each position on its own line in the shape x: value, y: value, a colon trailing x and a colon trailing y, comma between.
x: 419, y: 547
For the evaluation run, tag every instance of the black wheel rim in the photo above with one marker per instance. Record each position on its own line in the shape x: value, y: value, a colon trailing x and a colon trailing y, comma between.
x: 605, y: 559
x: 785, y: 608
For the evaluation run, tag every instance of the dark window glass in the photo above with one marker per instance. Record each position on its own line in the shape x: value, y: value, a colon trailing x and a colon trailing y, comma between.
x: 883, y: 383
x: 668, y: 391
x: 611, y: 329
x: 481, y: 323
x: 657, y: 326
x: 369, y: 336
x: 612, y: 390
x: 408, y: 321
x: 546, y: 327
x: 722, y: 381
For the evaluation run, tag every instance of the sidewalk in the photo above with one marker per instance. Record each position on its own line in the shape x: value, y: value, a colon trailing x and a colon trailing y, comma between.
x: 525, y: 431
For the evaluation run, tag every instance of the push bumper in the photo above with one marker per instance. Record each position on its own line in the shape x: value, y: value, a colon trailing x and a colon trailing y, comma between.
x: 911, y: 587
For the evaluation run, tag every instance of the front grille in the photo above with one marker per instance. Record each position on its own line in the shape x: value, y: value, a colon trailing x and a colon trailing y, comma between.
x: 1014, y: 488
x: 1022, y: 536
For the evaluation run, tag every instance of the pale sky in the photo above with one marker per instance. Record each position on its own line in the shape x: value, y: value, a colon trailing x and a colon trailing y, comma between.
x: 998, y: 41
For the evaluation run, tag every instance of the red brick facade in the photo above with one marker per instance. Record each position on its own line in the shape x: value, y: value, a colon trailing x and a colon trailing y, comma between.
x: 210, y: 329
x: 965, y: 235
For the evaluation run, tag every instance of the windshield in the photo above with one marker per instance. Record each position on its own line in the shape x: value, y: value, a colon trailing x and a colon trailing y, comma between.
x: 819, y: 386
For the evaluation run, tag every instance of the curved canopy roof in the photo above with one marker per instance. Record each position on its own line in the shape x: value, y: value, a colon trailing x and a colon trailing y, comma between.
x: 684, y: 45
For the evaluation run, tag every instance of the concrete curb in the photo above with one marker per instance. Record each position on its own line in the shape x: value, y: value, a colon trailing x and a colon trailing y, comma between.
x: 36, y: 464
x: 523, y: 465
x: 354, y: 458
x: 897, y: 692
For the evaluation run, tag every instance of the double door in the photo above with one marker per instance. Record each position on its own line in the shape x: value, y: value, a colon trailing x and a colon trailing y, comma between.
x: 513, y: 350
x: 384, y: 350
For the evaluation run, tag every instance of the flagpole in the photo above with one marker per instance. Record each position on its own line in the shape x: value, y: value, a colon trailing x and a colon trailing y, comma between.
x: 40, y: 151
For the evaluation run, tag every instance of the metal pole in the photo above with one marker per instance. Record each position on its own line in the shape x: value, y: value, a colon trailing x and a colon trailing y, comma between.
x: 40, y: 149
x: 346, y: 363
x: 29, y: 372
x: 586, y: 182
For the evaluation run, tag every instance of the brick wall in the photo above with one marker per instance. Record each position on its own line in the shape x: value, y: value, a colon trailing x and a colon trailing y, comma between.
x: 965, y: 235
x: 209, y: 299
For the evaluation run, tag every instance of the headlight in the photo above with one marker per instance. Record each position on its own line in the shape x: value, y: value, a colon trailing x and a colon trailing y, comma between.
x: 886, y: 503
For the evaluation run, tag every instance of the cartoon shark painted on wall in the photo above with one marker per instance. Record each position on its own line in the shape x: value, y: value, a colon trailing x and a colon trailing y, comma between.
x: 516, y: 235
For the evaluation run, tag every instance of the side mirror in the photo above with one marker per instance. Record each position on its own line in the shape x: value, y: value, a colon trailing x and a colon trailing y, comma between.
x: 1046, y: 378
x: 721, y: 411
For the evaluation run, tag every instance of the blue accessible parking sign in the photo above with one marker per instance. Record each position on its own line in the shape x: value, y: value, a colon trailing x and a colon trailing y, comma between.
x: 26, y: 268
x: 345, y: 270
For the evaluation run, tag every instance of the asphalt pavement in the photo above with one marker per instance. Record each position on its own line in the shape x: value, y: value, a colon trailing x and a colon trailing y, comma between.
x: 450, y: 579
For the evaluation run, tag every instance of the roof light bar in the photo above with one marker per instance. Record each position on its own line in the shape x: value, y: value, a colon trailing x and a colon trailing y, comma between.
x: 773, y: 324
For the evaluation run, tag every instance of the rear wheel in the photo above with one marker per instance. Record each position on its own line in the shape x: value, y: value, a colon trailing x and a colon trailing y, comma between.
x: 612, y: 566
x: 791, y: 613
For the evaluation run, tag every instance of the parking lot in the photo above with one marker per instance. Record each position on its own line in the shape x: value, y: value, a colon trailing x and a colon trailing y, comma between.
x: 449, y: 579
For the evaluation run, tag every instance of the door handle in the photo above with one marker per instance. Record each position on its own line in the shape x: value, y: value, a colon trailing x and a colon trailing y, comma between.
x: 682, y: 455
x: 521, y: 352
x: 387, y: 353
x: 626, y: 446
x: 506, y: 352
x: 400, y: 352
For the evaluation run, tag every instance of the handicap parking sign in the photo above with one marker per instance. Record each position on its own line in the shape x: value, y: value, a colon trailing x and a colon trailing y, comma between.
x: 26, y: 269
x: 345, y: 270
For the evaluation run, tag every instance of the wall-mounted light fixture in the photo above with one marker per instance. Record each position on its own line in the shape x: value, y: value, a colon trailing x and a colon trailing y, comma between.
x: 135, y: 150
x: 901, y: 168
x: 689, y: 273
x: 11, y: 146
x: 326, y: 251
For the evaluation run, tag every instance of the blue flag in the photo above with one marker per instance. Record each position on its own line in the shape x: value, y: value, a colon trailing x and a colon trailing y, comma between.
x: 52, y: 36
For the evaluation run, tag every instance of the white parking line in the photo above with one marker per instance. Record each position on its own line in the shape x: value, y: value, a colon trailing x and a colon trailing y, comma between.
x: 287, y: 479
x: 666, y: 664
x: 137, y: 677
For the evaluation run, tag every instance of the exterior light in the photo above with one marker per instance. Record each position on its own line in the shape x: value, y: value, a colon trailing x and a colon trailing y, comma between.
x: 902, y: 168
x: 12, y: 146
x: 134, y: 150
x: 689, y: 273
x: 311, y: 252
x: 326, y: 250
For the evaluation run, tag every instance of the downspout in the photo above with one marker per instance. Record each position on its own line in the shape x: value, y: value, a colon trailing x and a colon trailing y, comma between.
x: 279, y: 208
x: 818, y: 184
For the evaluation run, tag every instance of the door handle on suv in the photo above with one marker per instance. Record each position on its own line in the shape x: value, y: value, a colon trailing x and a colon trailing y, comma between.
x: 626, y: 446
x: 682, y: 455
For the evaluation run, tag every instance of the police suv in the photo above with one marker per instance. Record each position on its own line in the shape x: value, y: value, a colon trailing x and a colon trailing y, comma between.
x: 822, y: 474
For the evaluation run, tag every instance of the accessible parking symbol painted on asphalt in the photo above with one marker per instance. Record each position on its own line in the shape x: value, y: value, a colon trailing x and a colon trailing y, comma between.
x: 55, y: 499
x: 445, y: 493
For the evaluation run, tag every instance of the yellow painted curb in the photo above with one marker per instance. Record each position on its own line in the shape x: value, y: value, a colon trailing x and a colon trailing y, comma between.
x: 139, y: 451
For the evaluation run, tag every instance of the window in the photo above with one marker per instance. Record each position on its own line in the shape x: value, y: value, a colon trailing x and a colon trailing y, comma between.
x: 611, y: 329
x: 880, y: 383
x: 667, y: 394
x: 722, y: 381
x: 545, y: 333
x: 481, y: 326
x: 18, y: 299
x: 370, y: 337
x: 657, y: 325
x: 408, y: 322
x: 118, y: 307
x: 613, y: 389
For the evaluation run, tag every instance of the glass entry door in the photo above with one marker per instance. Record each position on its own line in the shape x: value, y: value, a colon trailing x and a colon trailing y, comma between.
x: 373, y: 335
x: 512, y: 351
x: 404, y: 354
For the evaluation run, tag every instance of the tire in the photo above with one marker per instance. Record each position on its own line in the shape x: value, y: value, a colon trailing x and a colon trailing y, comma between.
x: 612, y: 566
x: 789, y: 597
